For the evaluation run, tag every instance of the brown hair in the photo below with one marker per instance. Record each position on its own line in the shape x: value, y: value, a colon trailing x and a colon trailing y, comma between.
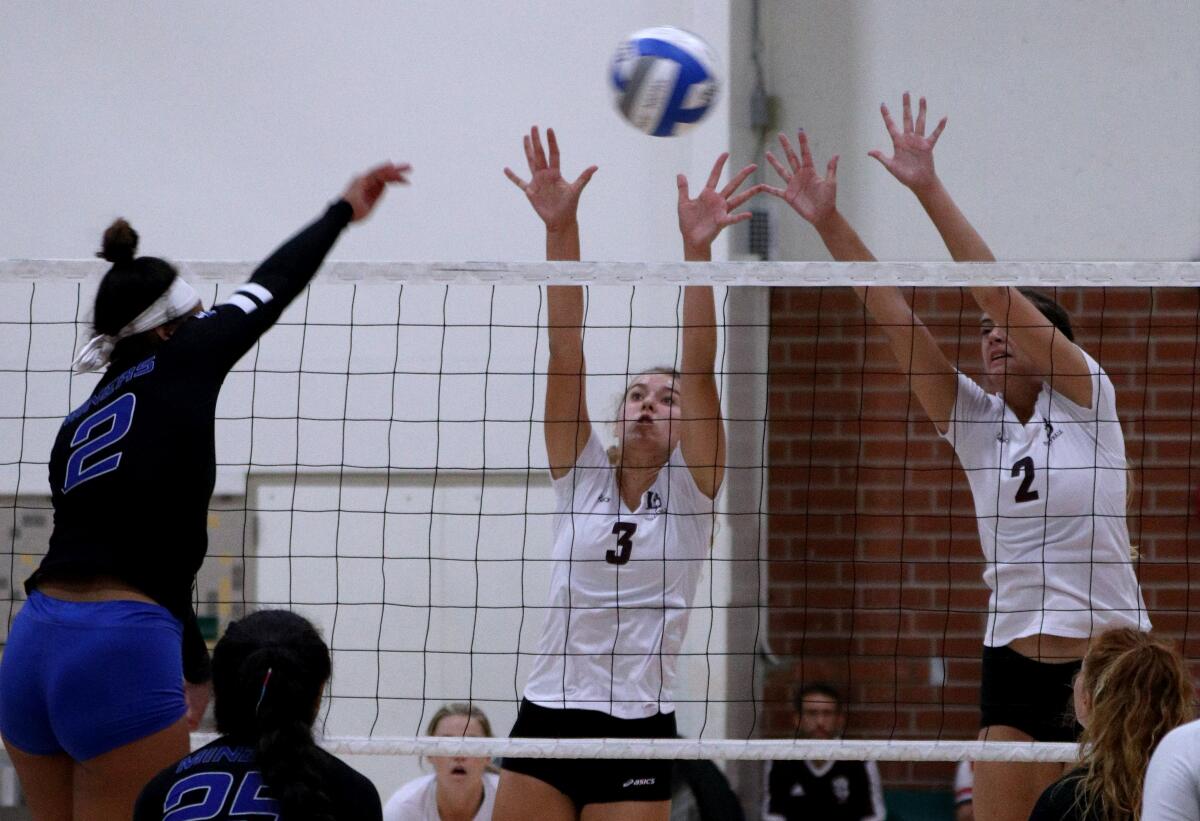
x: 470, y: 711
x: 130, y: 287
x: 614, y: 451
x: 458, y: 708
x: 1050, y: 309
x: 1140, y: 690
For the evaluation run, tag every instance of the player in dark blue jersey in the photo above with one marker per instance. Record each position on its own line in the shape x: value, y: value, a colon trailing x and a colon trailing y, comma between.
x: 92, y: 700
x: 268, y: 673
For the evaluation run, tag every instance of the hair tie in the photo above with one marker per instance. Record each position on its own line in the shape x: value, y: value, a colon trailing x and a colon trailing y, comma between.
x: 177, y: 301
x: 263, y: 693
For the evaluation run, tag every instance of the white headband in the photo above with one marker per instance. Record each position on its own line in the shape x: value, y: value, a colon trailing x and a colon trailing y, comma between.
x: 177, y: 301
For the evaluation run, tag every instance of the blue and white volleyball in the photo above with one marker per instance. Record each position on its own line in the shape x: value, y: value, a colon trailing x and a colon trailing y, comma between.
x: 665, y: 80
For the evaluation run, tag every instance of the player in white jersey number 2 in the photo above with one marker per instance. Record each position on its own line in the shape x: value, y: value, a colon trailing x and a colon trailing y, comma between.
x: 631, y: 532
x: 1045, y: 457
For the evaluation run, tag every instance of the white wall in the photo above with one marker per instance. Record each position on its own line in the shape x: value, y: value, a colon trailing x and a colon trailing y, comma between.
x: 1072, y: 127
x: 217, y: 128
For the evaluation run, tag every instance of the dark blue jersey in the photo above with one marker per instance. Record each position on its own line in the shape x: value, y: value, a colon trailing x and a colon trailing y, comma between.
x: 221, y: 781
x: 133, y: 468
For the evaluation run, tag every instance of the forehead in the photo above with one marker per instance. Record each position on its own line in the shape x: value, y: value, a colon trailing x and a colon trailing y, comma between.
x: 816, y: 701
x: 457, y: 725
x: 653, y: 382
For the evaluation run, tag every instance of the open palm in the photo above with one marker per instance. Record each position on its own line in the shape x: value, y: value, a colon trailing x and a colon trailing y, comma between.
x: 553, y: 198
x: 812, y: 196
x: 703, y: 218
x: 912, y: 151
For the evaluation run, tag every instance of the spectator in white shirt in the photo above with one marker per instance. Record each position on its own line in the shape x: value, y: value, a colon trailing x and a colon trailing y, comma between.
x: 460, y: 788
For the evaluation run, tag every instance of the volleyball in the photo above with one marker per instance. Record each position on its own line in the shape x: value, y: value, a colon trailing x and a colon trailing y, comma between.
x: 664, y: 80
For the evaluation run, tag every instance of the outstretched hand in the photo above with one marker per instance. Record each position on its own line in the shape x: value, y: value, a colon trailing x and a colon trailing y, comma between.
x: 811, y: 196
x: 912, y: 152
x: 703, y: 218
x: 554, y: 199
x: 365, y: 191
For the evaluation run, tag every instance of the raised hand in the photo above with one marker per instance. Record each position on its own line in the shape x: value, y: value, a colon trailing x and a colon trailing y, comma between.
x: 365, y: 191
x: 810, y: 195
x: 703, y: 218
x: 554, y: 199
x: 912, y: 152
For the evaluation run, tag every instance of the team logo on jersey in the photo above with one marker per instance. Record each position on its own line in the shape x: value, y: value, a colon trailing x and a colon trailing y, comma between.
x: 797, y: 791
x: 1051, y: 433
x: 653, y: 500
x: 604, y: 497
x: 841, y: 789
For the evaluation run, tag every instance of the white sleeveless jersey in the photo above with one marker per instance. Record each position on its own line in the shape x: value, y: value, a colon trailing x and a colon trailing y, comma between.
x: 1172, y: 791
x: 417, y: 800
x: 1050, y: 497
x: 622, y: 584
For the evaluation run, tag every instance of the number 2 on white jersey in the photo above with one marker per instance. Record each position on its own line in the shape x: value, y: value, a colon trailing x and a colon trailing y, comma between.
x: 1024, y: 494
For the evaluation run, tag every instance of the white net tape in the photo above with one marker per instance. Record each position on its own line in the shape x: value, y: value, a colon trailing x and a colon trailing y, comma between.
x: 1160, y: 274
x: 353, y: 739
x: 725, y: 750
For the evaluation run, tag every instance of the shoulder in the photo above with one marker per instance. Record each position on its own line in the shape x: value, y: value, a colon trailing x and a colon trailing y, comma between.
x: 865, y: 770
x: 1177, y: 756
x: 972, y: 396
x: 1058, y: 801
x: 594, y: 454
x: 406, y: 803
x: 1181, y: 740
x: 344, y: 777
x: 151, y: 800
x: 216, y: 756
x: 1103, y: 393
x: 592, y: 465
x: 782, y: 770
x: 972, y: 404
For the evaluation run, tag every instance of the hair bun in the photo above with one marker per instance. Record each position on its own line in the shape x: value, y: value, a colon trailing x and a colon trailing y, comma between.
x: 119, y: 243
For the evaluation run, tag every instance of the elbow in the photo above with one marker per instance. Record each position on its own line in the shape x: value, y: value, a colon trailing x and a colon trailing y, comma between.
x: 994, y: 300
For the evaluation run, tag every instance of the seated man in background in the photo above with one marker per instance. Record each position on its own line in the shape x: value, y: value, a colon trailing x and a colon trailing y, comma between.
x: 829, y: 790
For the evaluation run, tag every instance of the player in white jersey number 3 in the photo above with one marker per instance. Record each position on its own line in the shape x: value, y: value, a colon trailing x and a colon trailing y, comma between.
x: 632, y: 530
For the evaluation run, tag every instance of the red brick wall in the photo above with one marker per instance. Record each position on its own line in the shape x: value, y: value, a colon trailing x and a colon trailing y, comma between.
x: 875, y: 566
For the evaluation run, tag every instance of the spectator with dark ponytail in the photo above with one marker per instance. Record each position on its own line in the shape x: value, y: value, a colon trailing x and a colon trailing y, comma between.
x: 269, y: 671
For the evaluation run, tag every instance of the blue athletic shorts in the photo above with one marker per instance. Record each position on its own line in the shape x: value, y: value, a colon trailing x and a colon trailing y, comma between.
x: 84, y: 678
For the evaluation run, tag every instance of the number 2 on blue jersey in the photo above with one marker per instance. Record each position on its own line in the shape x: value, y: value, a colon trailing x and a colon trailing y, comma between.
x: 120, y: 413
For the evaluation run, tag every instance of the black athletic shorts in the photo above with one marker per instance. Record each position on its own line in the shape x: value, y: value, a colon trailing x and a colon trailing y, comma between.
x: 594, y: 781
x: 1032, y: 696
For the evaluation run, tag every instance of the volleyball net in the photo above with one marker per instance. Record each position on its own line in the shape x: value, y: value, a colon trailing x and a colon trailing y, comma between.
x: 381, y: 470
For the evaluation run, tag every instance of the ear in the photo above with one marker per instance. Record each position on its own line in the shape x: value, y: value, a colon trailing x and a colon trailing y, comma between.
x: 163, y: 332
